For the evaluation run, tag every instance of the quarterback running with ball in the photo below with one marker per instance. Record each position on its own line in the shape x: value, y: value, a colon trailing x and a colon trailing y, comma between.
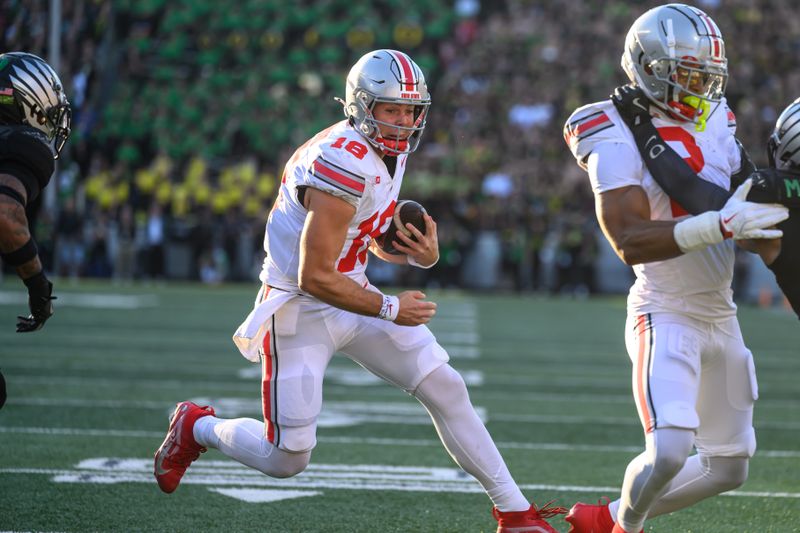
x: 693, y: 378
x: 338, y: 193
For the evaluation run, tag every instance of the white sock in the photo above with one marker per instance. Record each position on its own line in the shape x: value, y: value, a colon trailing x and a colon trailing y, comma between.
x: 445, y: 396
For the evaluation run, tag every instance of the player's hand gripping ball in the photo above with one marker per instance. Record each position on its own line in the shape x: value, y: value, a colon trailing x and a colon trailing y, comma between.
x: 406, y: 211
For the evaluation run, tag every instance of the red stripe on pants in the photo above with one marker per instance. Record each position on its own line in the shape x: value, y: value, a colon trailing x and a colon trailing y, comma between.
x: 642, y: 370
x: 266, y: 382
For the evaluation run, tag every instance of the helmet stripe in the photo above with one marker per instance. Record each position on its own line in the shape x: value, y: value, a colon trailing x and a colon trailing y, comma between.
x: 408, y: 80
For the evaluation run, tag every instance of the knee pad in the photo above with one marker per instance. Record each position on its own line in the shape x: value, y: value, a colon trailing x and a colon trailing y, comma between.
x: 298, y: 439
x: 678, y: 414
x: 728, y: 473
x: 742, y: 445
x: 283, y: 464
x: 671, y: 448
x: 442, y: 387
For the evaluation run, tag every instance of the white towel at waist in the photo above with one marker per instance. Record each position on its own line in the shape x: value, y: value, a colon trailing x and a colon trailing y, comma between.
x: 249, y: 336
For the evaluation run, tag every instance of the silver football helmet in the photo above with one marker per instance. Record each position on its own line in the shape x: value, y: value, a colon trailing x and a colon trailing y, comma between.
x: 783, y: 147
x: 31, y: 93
x: 386, y: 76
x: 676, y: 54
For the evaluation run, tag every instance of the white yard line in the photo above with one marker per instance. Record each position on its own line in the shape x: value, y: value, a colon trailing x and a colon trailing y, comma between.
x: 251, y: 405
x: 218, y: 474
x: 534, y: 446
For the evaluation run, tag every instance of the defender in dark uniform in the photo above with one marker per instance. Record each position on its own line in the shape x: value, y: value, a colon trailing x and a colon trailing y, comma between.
x: 780, y: 183
x: 34, y: 125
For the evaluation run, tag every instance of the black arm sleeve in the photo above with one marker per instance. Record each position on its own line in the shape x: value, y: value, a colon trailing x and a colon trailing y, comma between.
x: 674, y: 175
x: 26, y: 155
x: 787, y: 266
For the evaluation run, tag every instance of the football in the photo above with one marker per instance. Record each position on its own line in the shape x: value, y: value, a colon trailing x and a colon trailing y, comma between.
x: 404, y: 212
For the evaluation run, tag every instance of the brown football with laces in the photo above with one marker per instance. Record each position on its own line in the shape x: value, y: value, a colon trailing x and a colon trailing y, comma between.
x: 406, y: 211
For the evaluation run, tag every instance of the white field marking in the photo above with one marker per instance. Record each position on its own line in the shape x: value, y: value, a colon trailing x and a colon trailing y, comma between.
x: 330, y: 476
x: 359, y: 377
x: 264, y: 496
x: 390, y: 392
x: 340, y: 414
x: 87, y: 299
x: 336, y: 414
x: 343, y: 414
x: 374, y: 441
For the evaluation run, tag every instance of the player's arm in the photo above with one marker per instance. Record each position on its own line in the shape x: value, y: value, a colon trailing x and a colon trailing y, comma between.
x: 624, y: 216
x: 323, y: 236
x: 18, y: 249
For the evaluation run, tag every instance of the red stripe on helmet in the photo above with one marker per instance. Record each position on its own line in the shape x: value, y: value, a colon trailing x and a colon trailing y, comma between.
x: 407, y: 78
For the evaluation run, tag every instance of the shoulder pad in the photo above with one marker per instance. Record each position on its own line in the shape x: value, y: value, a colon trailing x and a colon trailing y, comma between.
x: 26, y: 146
x: 339, y: 167
x: 590, y: 125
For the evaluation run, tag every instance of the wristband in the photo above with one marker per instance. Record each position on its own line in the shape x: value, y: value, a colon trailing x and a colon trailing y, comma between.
x: 390, y: 308
x: 696, y: 233
x: 412, y: 262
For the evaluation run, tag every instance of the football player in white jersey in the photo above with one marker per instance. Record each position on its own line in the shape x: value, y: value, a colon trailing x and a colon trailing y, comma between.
x: 338, y: 193
x: 693, y: 378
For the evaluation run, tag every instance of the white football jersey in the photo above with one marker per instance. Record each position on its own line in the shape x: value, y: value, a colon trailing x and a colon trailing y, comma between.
x: 698, y: 283
x: 338, y: 161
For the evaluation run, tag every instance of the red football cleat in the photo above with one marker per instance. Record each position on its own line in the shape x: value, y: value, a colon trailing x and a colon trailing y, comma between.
x: 585, y: 518
x: 179, y: 448
x: 530, y: 521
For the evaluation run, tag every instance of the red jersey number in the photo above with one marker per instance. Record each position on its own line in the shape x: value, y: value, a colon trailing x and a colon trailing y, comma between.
x: 366, y: 230
x: 354, y: 147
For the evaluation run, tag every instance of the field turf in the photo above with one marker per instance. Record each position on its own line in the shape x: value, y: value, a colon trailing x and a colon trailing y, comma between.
x: 89, y: 396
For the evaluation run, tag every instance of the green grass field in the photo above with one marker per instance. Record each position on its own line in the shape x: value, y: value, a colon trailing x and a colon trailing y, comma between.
x: 89, y: 396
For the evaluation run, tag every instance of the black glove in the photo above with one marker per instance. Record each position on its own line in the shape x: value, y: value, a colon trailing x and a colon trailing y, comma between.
x: 40, y: 302
x: 771, y: 185
x: 632, y: 105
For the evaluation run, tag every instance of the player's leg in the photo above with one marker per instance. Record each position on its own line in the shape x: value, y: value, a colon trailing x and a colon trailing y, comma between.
x: 726, y: 439
x: 666, y: 355
x: 410, y: 358
x: 295, y: 354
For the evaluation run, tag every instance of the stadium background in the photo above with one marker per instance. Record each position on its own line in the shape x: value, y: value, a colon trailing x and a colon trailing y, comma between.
x: 185, y: 112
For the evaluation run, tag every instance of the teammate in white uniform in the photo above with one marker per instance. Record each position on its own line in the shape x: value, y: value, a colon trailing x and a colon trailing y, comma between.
x: 693, y: 378
x: 338, y: 193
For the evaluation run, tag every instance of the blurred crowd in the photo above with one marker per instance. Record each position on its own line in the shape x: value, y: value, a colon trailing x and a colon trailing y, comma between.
x: 185, y: 111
